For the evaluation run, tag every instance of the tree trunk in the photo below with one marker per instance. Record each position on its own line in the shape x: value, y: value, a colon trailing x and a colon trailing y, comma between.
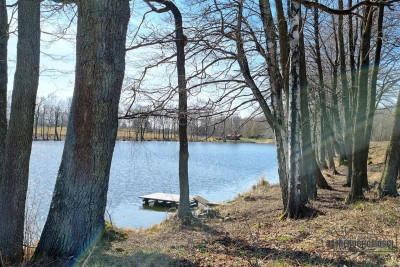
x: 352, y: 50
x: 387, y: 185
x: 282, y: 169
x: 19, y: 137
x: 184, y: 203
x: 283, y: 44
x: 43, y: 117
x: 346, y: 101
x: 180, y: 38
x: 3, y: 80
x: 309, y: 167
x: 277, y: 84
x: 61, y: 125
x: 295, y: 206
x: 340, y: 147
x: 359, y: 175
x: 374, y: 81
x: 56, y: 137
x: 36, y: 123
x: 76, y: 216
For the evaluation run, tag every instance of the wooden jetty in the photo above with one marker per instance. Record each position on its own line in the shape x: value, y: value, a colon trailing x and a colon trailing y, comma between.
x: 165, y: 199
x: 173, y: 199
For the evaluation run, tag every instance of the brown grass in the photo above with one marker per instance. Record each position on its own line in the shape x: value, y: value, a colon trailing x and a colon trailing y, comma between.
x: 248, y: 233
x: 126, y: 135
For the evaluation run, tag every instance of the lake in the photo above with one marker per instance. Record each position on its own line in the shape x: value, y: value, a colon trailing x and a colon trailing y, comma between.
x: 217, y: 172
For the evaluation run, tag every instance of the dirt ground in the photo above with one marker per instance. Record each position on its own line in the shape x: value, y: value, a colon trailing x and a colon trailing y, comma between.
x: 248, y: 232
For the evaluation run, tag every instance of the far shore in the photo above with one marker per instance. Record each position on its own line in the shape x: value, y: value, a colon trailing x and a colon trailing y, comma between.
x: 199, y: 139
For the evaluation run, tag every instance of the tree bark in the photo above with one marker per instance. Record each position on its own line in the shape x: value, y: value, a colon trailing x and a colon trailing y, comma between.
x: 184, y: 203
x: 374, y: 81
x: 387, y: 185
x: 19, y: 136
x: 309, y: 165
x: 359, y: 175
x: 3, y: 80
x: 352, y: 61
x: 56, y: 116
x: 180, y: 38
x: 340, y: 148
x: 346, y: 101
x: 277, y: 86
x: 295, y: 206
x: 283, y: 44
x: 76, y: 216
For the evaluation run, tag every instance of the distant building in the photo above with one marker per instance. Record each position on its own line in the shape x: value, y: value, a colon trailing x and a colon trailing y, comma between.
x: 233, y: 137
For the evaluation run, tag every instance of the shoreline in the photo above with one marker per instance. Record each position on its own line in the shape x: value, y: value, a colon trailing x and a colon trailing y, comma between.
x: 244, y: 141
x: 248, y: 231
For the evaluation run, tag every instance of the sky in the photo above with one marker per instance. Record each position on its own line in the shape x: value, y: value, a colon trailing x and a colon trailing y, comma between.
x: 56, y: 74
x: 57, y: 61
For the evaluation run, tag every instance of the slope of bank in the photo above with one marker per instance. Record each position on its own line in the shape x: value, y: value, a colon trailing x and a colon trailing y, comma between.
x: 247, y: 232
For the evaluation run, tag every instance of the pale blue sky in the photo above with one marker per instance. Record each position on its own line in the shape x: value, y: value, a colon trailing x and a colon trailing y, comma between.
x: 57, y: 75
x: 57, y: 62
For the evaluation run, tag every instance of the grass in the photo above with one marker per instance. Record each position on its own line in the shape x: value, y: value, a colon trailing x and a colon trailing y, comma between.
x: 284, y: 238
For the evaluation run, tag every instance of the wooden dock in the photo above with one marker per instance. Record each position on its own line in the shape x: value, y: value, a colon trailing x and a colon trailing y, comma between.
x: 165, y: 199
x: 173, y: 199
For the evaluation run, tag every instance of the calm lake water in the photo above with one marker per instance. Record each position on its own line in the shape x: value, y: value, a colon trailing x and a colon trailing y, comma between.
x: 217, y: 172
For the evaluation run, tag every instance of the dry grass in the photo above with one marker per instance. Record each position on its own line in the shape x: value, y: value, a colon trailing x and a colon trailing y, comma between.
x: 126, y: 135
x: 248, y: 233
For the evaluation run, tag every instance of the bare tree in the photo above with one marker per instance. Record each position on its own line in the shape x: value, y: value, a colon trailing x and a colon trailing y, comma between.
x: 180, y: 40
x: 19, y: 136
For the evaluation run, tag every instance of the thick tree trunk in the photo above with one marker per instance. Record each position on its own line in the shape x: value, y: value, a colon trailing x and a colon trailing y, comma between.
x: 76, y: 216
x: 321, y: 182
x: 3, y: 80
x: 19, y: 137
x: 359, y: 175
x: 277, y: 84
x: 387, y: 185
x: 346, y: 101
x: 309, y: 165
x: 295, y: 206
x: 374, y: 81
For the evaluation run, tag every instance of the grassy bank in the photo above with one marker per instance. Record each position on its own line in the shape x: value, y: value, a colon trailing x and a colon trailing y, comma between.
x: 247, y: 232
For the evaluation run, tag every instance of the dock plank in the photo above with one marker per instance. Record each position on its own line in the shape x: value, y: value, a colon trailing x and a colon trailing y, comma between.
x: 165, y: 197
x: 201, y: 200
x: 205, y: 202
